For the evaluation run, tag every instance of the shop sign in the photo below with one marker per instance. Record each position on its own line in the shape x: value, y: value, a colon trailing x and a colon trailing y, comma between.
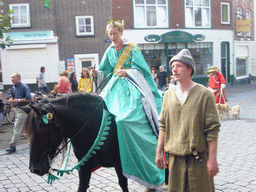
x: 29, y: 35
x: 243, y: 25
x: 199, y: 37
x: 177, y: 37
x: 152, y: 38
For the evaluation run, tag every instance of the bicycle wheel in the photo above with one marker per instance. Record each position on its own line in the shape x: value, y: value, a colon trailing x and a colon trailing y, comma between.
x: 5, y: 121
x: 10, y: 115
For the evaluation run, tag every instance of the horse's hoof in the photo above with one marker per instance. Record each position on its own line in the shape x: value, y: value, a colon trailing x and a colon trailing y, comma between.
x: 150, y: 190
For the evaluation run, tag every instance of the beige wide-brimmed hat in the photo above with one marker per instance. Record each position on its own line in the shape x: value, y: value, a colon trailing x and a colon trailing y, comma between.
x: 212, y: 69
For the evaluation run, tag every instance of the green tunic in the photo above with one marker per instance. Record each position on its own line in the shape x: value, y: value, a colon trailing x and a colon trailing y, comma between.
x: 137, y: 140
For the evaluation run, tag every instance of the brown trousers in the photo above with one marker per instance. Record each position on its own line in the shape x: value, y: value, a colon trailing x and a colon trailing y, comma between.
x: 187, y: 174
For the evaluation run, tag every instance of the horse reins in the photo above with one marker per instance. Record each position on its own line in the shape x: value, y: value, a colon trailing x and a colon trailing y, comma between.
x: 59, y: 150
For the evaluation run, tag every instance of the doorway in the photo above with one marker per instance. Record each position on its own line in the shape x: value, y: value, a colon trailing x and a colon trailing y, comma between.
x: 85, y: 60
x: 225, y: 60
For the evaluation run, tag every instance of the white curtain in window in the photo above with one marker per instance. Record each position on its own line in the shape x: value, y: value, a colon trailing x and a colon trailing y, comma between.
x: 205, y: 17
x: 161, y: 17
x: 140, y: 16
x: 151, y: 16
x: 189, y: 17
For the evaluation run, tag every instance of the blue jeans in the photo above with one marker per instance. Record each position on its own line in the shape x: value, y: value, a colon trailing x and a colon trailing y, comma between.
x: 44, y: 89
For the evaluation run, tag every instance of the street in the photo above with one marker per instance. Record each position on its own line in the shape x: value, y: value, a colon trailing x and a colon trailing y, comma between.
x: 236, y: 158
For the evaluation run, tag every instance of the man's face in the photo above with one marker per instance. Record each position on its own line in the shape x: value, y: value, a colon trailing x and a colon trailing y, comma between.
x: 180, y: 71
x: 15, y: 79
x: 43, y: 70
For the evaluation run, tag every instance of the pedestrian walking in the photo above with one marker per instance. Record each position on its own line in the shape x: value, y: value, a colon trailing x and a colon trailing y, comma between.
x: 41, y: 82
x: 20, y: 95
x: 189, y: 126
x: 217, y: 84
x: 85, y: 81
x: 63, y: 86
x: 73, y: 81
x: 161, y: 79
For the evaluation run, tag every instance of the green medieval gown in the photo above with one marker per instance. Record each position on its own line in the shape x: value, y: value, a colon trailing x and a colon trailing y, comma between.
x: 137, y: 140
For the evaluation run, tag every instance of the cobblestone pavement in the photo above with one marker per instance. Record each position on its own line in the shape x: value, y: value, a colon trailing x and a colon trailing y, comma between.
x: 236, y: 157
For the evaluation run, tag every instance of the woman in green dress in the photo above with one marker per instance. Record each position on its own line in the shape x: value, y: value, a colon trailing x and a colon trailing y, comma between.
x: 137, y: 132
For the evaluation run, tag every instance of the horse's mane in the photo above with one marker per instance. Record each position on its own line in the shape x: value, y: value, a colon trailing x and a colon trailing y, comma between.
x: 32, y: 122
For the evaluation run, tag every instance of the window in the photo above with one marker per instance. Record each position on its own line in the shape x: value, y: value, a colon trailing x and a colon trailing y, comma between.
x: 84, y: 26
x: 150, y: 13
x: 248, y: 16
x: 198, y: 13
x: 225, y: 13
x: 239, y: 17
x: 21, y: 15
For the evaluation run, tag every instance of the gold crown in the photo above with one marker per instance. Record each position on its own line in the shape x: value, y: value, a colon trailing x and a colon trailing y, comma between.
x: 112, y: 21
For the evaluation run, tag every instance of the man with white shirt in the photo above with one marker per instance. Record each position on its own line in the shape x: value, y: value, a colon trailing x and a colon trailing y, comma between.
x: 189, y: 126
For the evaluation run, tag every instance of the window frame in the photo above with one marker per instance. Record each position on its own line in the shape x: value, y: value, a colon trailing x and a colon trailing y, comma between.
x: 77, y: 25
x: 157, y: 11
x: 228, y: 14
x: 192, y: 19
x: 28, y: 23
x: 239, y: 14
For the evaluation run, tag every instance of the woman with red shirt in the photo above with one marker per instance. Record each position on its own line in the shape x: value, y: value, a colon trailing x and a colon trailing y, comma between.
x: 217, y: 84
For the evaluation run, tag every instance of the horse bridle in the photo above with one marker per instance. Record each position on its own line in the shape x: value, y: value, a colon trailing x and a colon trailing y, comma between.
x: 51, y: 121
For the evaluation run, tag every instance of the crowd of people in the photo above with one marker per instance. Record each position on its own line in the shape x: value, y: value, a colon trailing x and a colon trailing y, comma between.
x: 184, y: 124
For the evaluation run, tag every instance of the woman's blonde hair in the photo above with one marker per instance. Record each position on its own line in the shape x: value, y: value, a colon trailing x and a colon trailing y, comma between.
x: 115, y: 24
x: 64, y: 73
x: 82, y: 75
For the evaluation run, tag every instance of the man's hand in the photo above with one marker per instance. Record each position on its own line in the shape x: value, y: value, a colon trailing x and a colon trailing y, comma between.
x: 159, y: 161
x: 121, y: 73
x: 212, y: 166
x: 11, y: 100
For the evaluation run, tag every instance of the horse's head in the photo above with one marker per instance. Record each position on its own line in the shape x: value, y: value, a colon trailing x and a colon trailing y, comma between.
x: 45, y: 137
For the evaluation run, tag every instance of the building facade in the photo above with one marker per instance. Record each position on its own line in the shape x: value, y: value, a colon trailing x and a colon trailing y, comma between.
x: 206, y: 27
x: 68, y: 34
x: 244, y: 42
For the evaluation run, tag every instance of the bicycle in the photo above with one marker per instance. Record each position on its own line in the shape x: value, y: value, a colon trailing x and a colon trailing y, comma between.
x: 8, y: 114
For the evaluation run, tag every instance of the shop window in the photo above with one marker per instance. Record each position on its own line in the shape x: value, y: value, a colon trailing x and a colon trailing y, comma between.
x: 150, y: 13
x: 154, y: 54
x: 198, y: 13
x: 84, y: 26
x: 21, y: 15
x: 202, y: 55
x: 225, y: 13
x: 240, y: 67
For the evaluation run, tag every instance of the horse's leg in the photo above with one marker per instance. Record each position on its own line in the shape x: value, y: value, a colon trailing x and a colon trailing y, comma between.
x: 122, y: 180
x: 84, y: 178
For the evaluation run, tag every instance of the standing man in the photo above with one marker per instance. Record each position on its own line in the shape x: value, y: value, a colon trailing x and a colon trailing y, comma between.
x: 217, y: 84
x: 189, y: 126
x: 41, y: 82
x: 20, y: 96
x: 162, y: 79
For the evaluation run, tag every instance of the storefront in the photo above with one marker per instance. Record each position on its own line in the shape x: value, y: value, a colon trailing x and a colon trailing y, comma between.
x: 244, y: 60
x: 208, y: 47
x: 28, y: 53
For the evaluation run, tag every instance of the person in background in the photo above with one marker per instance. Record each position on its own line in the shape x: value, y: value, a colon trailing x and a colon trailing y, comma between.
x: 161, y: 79
x: 73, y: 81
x: 85, y: 81
x: 153, y: 72
x: 217, y: 84
x: 126, y: 73
x: 63, y: 86
x: 189, y: 126
x: 41, y: 82
x: 1, y: 113
x: 20, y: 95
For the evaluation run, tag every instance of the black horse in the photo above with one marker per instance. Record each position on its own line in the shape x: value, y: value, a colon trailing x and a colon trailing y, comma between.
x: 70, y: 114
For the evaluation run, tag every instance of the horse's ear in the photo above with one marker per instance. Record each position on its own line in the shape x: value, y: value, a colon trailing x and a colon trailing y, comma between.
x: 25, y: 108
x: 37, y: 109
